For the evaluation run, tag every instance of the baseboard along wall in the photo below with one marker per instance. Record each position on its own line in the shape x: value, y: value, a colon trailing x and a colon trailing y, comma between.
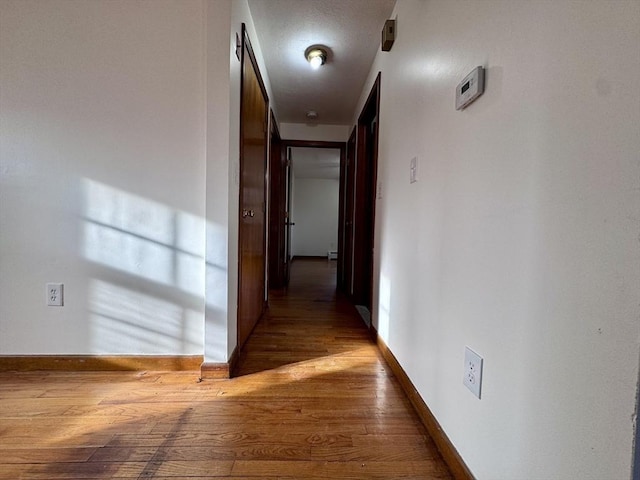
x: 215, y: 371
x: 449, y: 453
x: 26, y: 363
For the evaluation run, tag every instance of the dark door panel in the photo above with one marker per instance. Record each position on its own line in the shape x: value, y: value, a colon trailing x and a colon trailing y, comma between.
x: 252, y: 221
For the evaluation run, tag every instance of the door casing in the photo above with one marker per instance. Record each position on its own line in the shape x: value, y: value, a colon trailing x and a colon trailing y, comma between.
x: 286, y: 146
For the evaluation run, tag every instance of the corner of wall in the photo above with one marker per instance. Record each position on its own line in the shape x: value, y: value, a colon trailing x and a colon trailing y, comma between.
x: 218, y: 206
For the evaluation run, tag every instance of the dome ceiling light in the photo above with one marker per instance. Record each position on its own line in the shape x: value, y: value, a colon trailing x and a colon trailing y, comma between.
x: 316, y: 55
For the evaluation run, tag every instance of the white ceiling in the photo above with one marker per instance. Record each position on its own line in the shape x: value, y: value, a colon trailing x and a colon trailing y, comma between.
x: 351, y: 29
x: 315, y: 162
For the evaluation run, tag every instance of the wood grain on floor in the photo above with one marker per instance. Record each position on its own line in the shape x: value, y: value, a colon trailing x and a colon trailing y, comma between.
x: 312, y: 398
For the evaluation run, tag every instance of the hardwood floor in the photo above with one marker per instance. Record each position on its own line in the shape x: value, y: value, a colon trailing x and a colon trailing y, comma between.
x: 313, y: 399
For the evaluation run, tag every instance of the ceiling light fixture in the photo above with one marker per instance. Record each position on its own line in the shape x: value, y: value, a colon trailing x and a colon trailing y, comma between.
x: 312, y: 115
x: 316, y: 56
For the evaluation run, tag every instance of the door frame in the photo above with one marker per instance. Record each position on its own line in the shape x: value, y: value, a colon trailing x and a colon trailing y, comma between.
x: 366, y: 178
x: 341, y: 146
x: 345, y: 227
x: 277, y: 199
x: 288, y: 181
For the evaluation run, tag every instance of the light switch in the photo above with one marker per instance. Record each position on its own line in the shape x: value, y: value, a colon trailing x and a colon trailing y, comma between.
x: 413, y: 170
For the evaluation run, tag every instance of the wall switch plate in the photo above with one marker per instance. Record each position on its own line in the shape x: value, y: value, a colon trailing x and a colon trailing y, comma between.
x: 55, y: 294
x: 413, y: 170
x: 472, y: 371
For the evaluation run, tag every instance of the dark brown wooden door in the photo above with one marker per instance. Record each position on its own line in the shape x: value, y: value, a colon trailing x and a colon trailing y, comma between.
x: 347, y: 191
x: 253, y: 164
x: 277, y: 210
x: 287, y: 214
x: 365, y: 198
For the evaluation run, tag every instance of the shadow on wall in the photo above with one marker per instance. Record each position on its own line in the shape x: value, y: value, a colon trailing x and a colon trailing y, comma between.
x: 147, y: 263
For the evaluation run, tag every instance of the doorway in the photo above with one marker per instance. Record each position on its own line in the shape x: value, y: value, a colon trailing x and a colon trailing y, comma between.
x: 363, y: 195
x: 314, y: 202
x: 318, y: 176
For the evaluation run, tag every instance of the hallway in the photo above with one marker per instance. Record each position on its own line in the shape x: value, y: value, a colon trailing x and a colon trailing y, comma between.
x: 329, y: 392
x: 313, y: 399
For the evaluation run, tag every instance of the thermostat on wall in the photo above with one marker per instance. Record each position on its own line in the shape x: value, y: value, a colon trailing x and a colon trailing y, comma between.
x: 470, y: 88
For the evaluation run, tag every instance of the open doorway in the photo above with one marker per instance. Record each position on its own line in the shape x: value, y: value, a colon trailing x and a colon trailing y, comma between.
x: 315, y: 183
x: 306, y: 210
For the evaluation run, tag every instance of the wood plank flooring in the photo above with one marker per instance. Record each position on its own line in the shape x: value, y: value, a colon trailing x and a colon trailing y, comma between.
x: 313, y: 399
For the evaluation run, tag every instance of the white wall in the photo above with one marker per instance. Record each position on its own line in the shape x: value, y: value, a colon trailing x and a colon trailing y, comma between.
x: 520, y: 238
x: 311, y: 132
x: 118, y: 175
x: 315, y: 202
x: 102, y: 176
x: 219, y: 261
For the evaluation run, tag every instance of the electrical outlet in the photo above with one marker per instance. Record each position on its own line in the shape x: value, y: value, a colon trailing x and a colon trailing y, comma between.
x: 472, y: 371
x: 55, y: 294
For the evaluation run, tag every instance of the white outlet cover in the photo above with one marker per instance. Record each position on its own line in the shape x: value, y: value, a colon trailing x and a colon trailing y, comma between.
x: 472, y: 371
x: 55, y: 296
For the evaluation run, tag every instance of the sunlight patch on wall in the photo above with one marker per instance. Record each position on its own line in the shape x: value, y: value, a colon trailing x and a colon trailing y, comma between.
x: 144, y: 238
x: 147, y: 295
x: 384, y: 307
x: 124, y: 322
x: 216, y: 267
x: 217, y: 293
